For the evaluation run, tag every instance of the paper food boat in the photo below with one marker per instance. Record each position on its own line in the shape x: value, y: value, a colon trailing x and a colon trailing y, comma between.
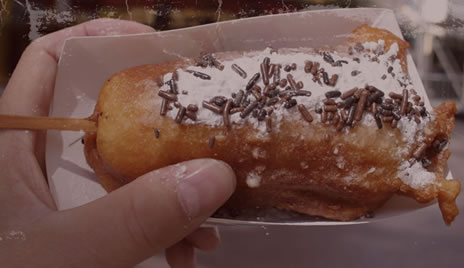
x: 86, y: 62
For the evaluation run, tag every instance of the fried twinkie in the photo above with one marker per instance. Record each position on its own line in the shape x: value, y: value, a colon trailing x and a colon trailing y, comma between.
x: 324, y: 132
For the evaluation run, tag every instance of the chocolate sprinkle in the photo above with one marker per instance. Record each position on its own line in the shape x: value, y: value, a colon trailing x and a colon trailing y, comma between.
x: 333, y: 80
x: 226, y: 112
x: 192, y: 108
x: 404, y: 102
x: 325, y: 78
x: 290, y: 103
x: 343, y: 115
x: 329, y: 102
x: 318, y: 108
x: 425, y: 162
x: 276, y: 77
x: 292, y: 82
x: 272, y: 101
x: 328, y: 58
x: 218, y: 100
x: 217, y: 64
x: 191, y: 115
x: 305, y: 113
x: 236, y: 110
x: 305, y: 93
x: 175, y: 76
x: 271, y: 69
x: 348, y: 93
x: 324, y: 117
x: 351, y: 113
x: 238, y: 98
x: 438, y: 145
x: 172, y: 86
x: 394, y: 95
x: 248, y: 109
x: 333, y: 94
x: 330, y: 108
x: 262, y: 115
x: 349, y: 102
x: 211, y: 141
x: 264, y: 74
x: 355, y: 73
x: 200, y: 75
x: 315, y: 68
x: 164, y: 107
x: 212, y: 107
x: 268, y: 124
x: 308, y: 66
x: 386, y: 106
x: 180, y: 114
x: 157, y: 133
x: 378, y: 121
x: 252, y: 81
x: 358, y: 47
x: 239, y: 70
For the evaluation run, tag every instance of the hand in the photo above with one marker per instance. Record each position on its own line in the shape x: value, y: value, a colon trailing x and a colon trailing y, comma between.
x: 155, y: 212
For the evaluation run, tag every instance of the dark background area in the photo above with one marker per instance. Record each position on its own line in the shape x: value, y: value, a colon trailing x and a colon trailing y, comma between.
x: 419, y: 239
x: 441, y: 69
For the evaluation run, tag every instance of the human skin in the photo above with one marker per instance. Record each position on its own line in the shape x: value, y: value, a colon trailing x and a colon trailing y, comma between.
x: 156, y: 212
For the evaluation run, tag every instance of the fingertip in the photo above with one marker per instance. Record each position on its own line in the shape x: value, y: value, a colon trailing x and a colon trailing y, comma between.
x: 205, y: 238
x: 181, y: 255
x: 209, y: 184
x: 228, y: 172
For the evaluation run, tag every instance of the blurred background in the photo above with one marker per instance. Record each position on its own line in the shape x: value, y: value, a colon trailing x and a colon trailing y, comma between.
x: 434, y: 28
x: 435, y: 31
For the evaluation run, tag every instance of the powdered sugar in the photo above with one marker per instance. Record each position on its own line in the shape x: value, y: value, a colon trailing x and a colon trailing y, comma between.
x: 415, y: 176
x: 226, y: 82
x: 253, y: 179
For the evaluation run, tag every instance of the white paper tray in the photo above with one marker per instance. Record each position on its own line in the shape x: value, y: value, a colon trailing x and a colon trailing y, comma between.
x: 86, y: 62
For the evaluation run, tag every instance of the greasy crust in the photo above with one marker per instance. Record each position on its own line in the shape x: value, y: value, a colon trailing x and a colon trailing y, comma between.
x: 299, y: 165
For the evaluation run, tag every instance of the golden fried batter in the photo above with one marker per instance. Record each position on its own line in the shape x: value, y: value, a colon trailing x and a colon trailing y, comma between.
x: 297, y: 168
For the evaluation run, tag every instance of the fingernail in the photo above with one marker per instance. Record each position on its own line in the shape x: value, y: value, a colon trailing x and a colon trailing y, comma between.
x: 205, y: 188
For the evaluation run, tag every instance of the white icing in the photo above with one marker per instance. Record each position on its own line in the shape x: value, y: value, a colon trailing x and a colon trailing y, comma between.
x: 226, y: 82
x: 340, y: 162
x: 304, y: 165
x: 253, y: 179
x: 415, y: 176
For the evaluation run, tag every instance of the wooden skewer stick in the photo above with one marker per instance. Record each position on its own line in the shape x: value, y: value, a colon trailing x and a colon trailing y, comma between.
x: 39, y: 122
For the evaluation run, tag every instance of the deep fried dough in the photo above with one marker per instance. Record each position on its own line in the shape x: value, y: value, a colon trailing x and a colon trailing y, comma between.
x: 297, y: 168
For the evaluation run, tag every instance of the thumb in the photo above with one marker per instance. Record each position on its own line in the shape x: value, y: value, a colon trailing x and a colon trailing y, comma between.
x: 147, y: 215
